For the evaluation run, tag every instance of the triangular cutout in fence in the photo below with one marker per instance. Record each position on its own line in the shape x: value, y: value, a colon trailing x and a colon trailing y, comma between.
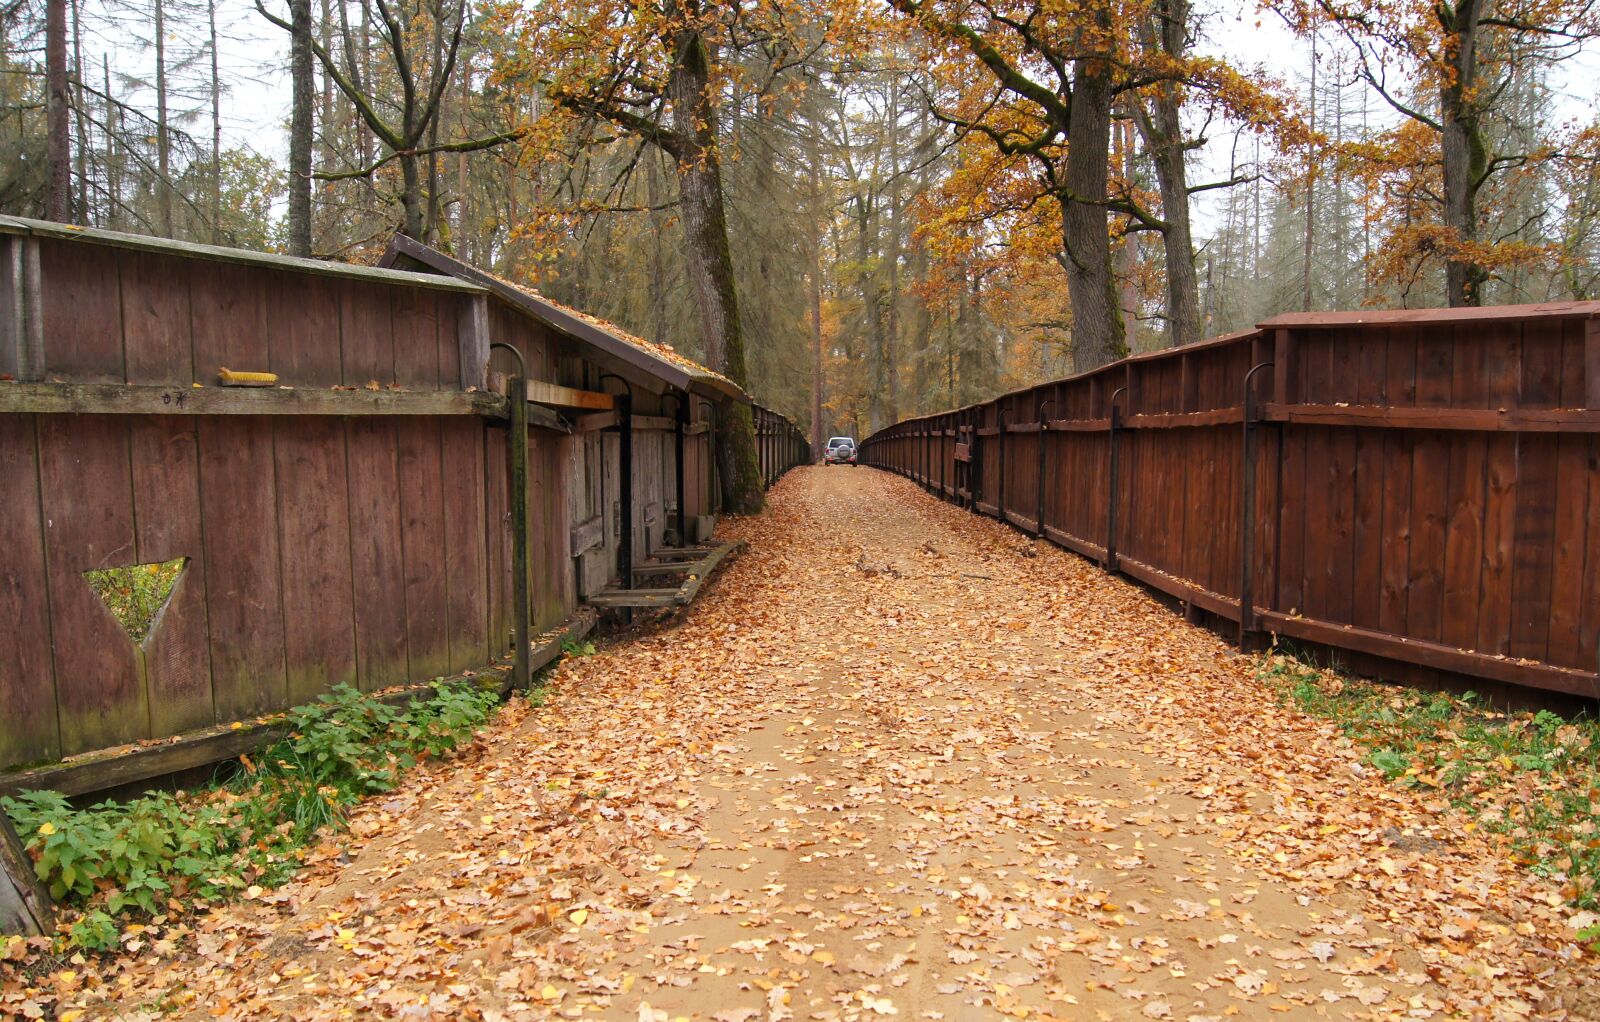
x: 137, y: 593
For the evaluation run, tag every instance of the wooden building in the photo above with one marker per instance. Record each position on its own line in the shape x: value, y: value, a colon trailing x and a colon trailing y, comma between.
x: 352, y: 521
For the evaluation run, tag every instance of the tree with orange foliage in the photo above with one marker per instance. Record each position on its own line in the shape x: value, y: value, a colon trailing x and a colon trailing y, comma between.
x: 1057, y: 76
x: 657, y: 72
x: 1444, y: 65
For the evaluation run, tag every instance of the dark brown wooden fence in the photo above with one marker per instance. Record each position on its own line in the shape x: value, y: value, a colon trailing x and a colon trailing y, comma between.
x: 351, y: 524
x: 1419, y: 488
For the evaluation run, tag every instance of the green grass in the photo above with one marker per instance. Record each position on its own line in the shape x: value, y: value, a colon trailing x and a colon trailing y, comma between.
x: 162, y: 853
x: 1532, y: 779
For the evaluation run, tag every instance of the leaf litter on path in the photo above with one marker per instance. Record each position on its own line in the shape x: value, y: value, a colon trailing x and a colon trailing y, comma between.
x: 970, y: 784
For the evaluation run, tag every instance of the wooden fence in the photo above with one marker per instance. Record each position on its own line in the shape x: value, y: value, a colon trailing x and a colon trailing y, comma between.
x: 351, y: 524
x: 1420, y: 489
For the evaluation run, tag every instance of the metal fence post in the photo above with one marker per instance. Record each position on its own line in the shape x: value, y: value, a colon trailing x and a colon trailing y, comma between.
x: 1247, y: 608
x: 517, y: 458
x: 1044, y: 432
x: 1111, y: 485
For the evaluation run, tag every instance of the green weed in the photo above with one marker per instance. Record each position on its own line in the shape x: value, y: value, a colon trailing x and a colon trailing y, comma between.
x: 163, y: 851
x: 1532, y: 779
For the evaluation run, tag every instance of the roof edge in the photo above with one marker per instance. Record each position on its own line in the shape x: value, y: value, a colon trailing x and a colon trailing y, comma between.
x: 558, y: 318
x: 26, y: 227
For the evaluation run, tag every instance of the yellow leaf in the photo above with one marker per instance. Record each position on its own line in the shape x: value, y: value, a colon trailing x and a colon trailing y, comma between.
x: 578, y: 915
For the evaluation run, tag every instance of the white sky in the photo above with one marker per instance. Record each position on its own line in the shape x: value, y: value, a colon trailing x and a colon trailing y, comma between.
x: 254, y: 66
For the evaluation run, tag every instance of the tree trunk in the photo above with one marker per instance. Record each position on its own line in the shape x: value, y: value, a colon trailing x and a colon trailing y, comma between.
x: 1465, y: 151
x: 300, y: 127
x: 216, y: 128
x: 872, y: 310
x: 80, y: 109
x: 1163, y: 135
x: 1097, y: 329
x: 411, y: 202
x: 710, y: 262
x: 817, y: 439
x: 1311, y: 187
x: 891, y: 334
x: 113, y: 128
x: 58, y: 145
x: 163, y: 133
x: 1128, y: 254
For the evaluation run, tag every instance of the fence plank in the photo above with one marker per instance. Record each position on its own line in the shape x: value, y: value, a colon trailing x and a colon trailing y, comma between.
x: 82, y: 315
x: 376, y: 561
x: 156, y: 319
x: 314, y: 525
x: 466, y: 531
x: 28, y: 729
x: 422, y: 527
x: 238, y: 505
x: 166, y: 498
x: 88, y: 507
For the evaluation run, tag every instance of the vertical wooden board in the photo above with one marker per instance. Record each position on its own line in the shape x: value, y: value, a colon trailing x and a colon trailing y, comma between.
x: 1542, y: 343
x: 1201, y: 524
x: 229, y: 313
x: 1430, y: 478
x: 314, y: 529
x: 238, y: 507
x: 1319, y: 511
x: 155, y: 318
x: 1502, y: 389
x: 1400, y: 364
x: 366, y: 334
x: 1291, y: 544
x: 1534, y: 545
x: 1469, y: 369
x: 1463, y: 543
x: 1219, y: 520
x: 1499, y: 535
x: 377, y: 560
x: 1372, y: 366
x: 466, y: 536
x: 1572, y: 512
x: 548, y: 553
x: 1430, y: 475
x: 1266, y: 515
x: 303, y: 334
x: 27, y: 672
x: 82, y: 312
x: 1589, y: 605
x: 1502, y: 371
x: 87, y: 486
x: 496, y: 483
x: 1434, y: 366
x: 1316, y: 362
x: 1367, y: 524
x: 1342, y: 485
x: 1398, y: 457
x: 166, y: 500
x: 1344, y: 369
x: 417, y: 361
x: 422, y: 543
x: 1572, y: 363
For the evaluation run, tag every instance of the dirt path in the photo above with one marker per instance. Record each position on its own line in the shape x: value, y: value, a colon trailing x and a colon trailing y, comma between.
x: 898, y: 762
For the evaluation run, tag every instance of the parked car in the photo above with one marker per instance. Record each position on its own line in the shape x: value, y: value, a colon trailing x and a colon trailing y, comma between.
x: 841, y: 450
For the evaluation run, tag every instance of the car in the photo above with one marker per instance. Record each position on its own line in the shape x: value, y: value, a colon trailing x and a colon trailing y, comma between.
x: 841, y: 450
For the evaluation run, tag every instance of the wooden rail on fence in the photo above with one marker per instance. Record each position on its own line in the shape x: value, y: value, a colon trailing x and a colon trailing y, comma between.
x: 1418, y: 488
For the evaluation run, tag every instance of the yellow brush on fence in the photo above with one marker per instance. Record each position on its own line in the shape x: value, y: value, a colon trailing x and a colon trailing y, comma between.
x: 228, y: 378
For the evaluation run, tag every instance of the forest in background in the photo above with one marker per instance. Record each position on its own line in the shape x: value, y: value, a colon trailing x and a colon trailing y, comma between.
x: 921, y: 203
